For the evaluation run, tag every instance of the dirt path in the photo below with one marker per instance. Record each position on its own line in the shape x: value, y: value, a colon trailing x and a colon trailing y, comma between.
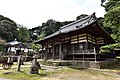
x: 87, y: 74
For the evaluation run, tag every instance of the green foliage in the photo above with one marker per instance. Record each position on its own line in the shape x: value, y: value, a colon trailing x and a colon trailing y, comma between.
x: 104, y: 51
x: 1, y: 48
x: 111, y: 46
x: 8, y: 28
x: 2, y: 43
x: 50, y: 27
x: 112, y: 18
x: 46, y: 29
x: 107, y: 48
x: 23, y: 34
x: 36, y: 47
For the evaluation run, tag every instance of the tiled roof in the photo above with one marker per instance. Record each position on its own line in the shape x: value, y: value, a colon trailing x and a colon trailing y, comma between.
x: 74, y: 26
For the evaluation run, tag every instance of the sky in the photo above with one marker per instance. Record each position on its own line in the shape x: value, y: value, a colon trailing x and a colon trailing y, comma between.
x: 32, y: 13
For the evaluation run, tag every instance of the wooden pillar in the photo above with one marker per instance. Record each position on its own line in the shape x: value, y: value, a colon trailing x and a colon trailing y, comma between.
x: 53, y: 49
x: 70, y: 44
x: 46, y: 46
x: 83, y: 56
x: 47, y: 51
x: 95, y: 54
x: 73, y: 57
x: 60, y: 51
x: 87, y: 42
x: 42, y: 52
x: 60, y: 48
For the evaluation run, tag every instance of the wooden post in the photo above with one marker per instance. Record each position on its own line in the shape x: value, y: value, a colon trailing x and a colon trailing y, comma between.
x: 53, y: 48
x: 60, y: 52
x: 87, y: 41
x: 47, y: 51
x: 42, y: 52
x: 73, y: 57
x: 19, y: 62
x: 95, y: 54
x: 83, y: 56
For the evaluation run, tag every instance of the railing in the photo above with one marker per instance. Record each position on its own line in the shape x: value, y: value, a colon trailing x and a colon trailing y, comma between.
x: 83, y: 57
x: 83, y: 52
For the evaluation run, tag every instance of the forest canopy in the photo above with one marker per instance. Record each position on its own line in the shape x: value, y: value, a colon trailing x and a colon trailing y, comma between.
x: 111, y: 22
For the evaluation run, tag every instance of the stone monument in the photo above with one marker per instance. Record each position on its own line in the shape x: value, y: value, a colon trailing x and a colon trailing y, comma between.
x: 34, y: 67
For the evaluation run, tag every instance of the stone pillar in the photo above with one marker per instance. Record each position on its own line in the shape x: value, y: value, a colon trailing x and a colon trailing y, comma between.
x: 34, y: 67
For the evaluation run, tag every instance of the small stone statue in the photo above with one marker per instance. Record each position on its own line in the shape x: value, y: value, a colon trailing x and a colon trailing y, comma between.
x: 34, y: 67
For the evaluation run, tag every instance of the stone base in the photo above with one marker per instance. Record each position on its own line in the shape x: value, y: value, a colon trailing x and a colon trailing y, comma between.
x: 34, y: 70
x: 81, y: 64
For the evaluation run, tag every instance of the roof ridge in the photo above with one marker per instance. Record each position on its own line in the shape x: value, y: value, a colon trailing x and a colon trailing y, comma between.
x: 82, y: 19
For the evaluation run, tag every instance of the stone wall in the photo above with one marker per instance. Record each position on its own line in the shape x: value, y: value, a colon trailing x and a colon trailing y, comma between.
x: 82, y: 64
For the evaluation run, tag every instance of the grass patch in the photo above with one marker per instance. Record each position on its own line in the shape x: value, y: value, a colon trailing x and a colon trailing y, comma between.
x: 23, y: 75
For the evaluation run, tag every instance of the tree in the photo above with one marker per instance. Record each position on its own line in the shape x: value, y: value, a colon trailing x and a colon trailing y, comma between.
x: 112, y: 18
x: 45, y: 29
x: 8, y: 28
x: 23, y: 34
x: 102, y: 1
x: 50, y: 27
x: 2, y: 43
x: 36, y: 47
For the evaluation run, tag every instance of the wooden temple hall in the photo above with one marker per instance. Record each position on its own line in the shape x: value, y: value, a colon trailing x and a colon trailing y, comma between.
x: 80, y: 40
